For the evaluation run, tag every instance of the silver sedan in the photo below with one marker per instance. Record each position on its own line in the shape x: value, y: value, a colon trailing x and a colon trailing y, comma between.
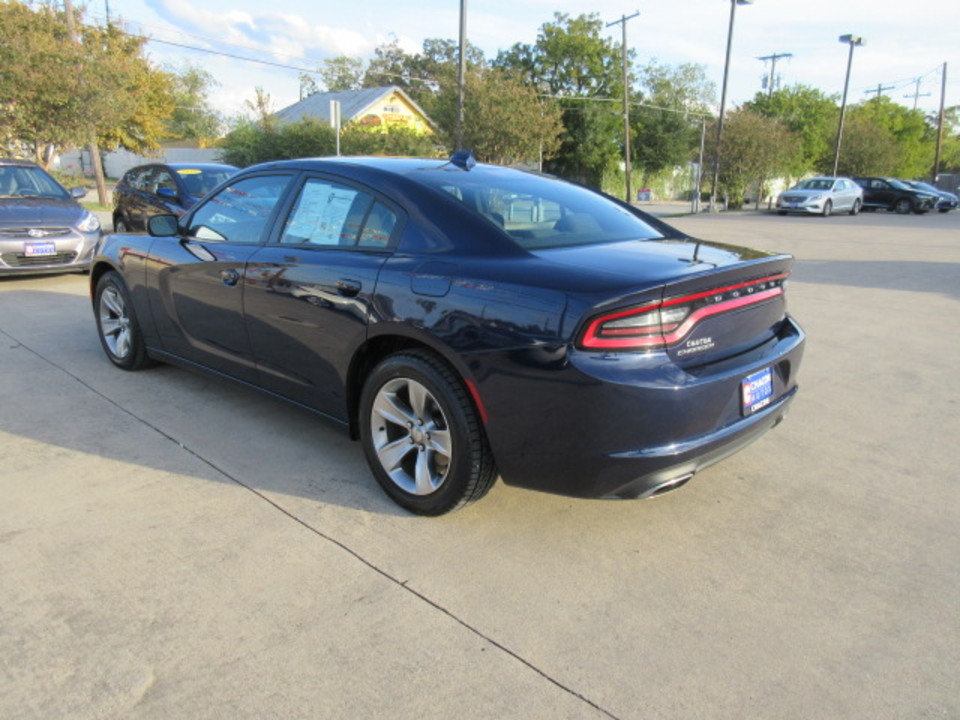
x: 822, y: 196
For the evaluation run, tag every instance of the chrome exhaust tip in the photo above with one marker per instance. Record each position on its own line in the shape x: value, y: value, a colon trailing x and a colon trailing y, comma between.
x: 666, y: 486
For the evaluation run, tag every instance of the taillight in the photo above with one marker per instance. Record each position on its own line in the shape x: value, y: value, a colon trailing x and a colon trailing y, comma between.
x: 667, y: 323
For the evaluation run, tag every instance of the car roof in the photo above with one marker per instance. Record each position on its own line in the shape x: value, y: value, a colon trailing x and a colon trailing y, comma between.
x: 17, y: 161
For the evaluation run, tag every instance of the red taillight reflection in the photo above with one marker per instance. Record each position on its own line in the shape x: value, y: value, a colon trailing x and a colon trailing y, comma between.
x: 667, y: 323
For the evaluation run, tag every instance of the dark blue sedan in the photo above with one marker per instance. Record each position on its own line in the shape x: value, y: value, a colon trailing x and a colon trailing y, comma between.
x: 464, y: 322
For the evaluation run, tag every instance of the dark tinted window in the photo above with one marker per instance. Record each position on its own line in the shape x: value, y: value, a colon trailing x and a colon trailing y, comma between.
x: 538, y: 212
x: 200, y: 182
x: 240, y: 211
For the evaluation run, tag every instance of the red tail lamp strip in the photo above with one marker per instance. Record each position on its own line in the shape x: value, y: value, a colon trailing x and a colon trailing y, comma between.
x: 703, y: 305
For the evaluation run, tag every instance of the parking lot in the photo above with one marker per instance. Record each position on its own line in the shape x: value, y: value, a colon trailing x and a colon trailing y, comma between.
x: 176, y: 547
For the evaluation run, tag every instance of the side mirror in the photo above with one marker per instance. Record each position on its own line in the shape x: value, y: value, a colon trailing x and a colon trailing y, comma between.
x: 163, y: 226
x: 167, y: 193
x: 78, y: 192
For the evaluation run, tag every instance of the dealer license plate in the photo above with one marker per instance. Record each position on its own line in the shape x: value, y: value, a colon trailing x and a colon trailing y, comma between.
x: 756, y: 391
x: 39, y: 249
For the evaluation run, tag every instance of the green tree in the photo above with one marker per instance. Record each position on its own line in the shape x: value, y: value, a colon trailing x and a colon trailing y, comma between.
x: 505, y: 120
x: 867, y: 148
x: 392, y: 141
x: 253, y: 142
x: 58, y: 91
x: 342, y: 73
x: 811, y: 115
x: 755, y: 147
x: 666, y: 127
x: 913, y: 139
x: 573, y: 62
x: 193, y: 118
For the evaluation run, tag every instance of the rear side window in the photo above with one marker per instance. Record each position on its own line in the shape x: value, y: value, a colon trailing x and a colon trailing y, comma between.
x: 536, y: 211
x: 329, y: 214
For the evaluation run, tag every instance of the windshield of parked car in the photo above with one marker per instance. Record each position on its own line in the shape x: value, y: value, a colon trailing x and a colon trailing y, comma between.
x: 539, y: 212
x: 924, y: 186
x: 899, y: 185
x: 201, y: 181
x: 815, y: 184
x: 27, y: 181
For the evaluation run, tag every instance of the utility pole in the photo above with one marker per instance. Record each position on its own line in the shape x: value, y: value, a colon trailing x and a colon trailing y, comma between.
x: 723, y: 105
x: 917, y: 94
x: 881, y: 89
x: 940, y: 118
x: 626, y: 103
x: 93, y: 148
x: 773, y: 68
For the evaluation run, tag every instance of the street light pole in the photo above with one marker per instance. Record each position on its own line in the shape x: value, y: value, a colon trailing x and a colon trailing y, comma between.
x: 461, y: 72
x: 723, y: 104
x: 853, y: 41
x: 626, y: 104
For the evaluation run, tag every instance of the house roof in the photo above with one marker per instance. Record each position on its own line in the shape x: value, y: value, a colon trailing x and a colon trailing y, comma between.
x: 353, y: 104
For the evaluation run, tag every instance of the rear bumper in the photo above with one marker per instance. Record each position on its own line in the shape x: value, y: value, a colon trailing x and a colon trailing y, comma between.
x: 646, y: 430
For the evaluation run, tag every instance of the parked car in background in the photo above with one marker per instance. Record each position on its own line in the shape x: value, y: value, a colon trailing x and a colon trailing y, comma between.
x: 822, y: 196
x: 160, y: 189
x: 464, y: 322
x: 948, y: 201
x: 881, y: 193
x: 42, y: 226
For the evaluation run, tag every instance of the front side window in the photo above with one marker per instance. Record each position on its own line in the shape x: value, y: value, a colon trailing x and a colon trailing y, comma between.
x: 239, y: 212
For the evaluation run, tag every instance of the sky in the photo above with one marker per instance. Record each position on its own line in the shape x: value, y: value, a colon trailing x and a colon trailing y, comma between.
x: 904, y: 43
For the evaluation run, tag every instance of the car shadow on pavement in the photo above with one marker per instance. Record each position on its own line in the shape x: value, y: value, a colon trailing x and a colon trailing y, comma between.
x: 60, y: 391
x: 928, y: 277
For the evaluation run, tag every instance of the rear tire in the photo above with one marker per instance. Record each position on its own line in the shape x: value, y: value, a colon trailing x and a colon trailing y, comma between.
x: 117, y: 324
x: 120, y: 225
x: 422, y: 435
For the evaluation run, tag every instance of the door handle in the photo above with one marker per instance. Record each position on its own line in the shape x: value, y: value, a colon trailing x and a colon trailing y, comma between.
x: 348, y: 288
x: 229, y: 277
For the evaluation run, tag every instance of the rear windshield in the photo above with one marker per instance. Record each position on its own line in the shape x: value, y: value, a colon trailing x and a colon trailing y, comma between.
x: 538, y: 212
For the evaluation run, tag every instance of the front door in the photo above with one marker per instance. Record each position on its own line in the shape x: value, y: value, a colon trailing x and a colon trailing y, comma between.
x: 200, y: 282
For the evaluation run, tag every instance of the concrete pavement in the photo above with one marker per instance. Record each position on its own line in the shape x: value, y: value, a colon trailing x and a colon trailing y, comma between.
x: 174, y: 547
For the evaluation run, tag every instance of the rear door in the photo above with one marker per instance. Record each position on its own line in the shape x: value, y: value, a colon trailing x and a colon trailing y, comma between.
x: 309, y: 291
x: 198, y: 281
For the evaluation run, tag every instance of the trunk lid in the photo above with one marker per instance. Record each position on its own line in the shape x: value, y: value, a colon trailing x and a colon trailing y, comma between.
x: 699, y: 302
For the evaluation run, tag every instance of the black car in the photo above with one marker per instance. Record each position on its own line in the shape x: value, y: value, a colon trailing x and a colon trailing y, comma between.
x: 464, y: 321
x: 892, y: 194
x: 43, y: 229
x: 160, y: 189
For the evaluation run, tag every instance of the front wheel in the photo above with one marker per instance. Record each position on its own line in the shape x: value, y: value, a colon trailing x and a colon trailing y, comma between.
x: 120, y: 225
x: 117, y: 324
x: 902, y: 206
x: 827, y: 208
x: 422, y: 435
x: 855, y: 210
